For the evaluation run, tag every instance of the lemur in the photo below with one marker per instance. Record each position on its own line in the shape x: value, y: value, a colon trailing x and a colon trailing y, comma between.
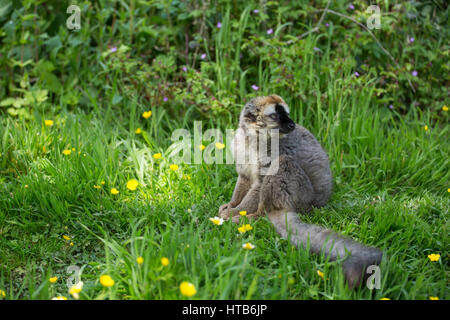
x: 298, y: 180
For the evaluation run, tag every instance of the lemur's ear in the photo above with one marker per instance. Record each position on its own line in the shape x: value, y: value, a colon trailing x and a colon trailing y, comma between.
x: 250, y: 116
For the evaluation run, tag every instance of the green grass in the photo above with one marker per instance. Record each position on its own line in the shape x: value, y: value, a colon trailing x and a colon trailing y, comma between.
x: 390, y: 191
x: 391, y: 176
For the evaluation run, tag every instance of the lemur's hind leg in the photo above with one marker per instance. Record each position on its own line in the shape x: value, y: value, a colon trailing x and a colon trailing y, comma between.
x: 289, y: 188
x: 240, y: 190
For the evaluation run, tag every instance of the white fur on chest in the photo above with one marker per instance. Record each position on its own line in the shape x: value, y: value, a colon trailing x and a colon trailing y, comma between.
x: 245, y: 153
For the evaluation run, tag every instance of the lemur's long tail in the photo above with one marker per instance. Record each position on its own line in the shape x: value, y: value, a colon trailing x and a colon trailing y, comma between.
x: 328, y: 242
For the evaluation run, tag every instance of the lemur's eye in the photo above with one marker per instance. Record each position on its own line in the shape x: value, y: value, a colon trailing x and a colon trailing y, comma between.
x: 273, y: 116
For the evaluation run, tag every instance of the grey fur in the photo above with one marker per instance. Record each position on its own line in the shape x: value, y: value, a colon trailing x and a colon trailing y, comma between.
x: 303, y: 181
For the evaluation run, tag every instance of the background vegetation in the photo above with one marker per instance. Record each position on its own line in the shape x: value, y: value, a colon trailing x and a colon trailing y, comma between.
x: 382, y: 120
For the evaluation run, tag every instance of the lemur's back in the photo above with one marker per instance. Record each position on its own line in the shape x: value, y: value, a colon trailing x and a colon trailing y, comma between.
x: 302, y: 145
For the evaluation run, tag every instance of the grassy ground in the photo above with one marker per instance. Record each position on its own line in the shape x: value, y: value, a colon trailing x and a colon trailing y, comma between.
x: 390, y: 168
x: 390, y: 192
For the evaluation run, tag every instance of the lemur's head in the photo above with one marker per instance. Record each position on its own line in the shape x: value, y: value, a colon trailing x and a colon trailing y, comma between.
x: 270, y: 112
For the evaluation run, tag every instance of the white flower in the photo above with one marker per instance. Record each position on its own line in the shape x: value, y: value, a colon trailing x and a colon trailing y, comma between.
x: 216, y: 220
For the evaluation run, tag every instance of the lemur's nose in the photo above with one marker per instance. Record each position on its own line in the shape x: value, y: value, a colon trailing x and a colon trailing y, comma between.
x: 291, y: 125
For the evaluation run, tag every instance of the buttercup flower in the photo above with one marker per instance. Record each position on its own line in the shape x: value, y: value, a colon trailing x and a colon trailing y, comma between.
x: 59, y: 298
x: 187, y: 289
x: 247, y: 227
x: 157, y: 155
x: 242, y: 229
x: 53, y: 279
x: 320, y: 273
x: 434, y: 257
x: 106, y: 281
x: 173, y: 167
x: 243, y: 213
x: 425, y: 128
x: 434, y: 298
x: 132, y: 184
x: 216, y: 220
x: 147, y: 114
x: 103, y: 182
x: 66, y: 237
x: 114, y: 191
x: 67, y: 152
x: 385, y: 299
x: 71, y: 244
x: 48, y: 123
x: 164, y: 261
x: 76, y: 289
x: 445, y: 108
x: 248, y: 246
x: 201, y: 147
x: 97, y: 187
x: 220, y: 146
x: 2, y: 293
x: 140, y: 260
x: 138, y: 131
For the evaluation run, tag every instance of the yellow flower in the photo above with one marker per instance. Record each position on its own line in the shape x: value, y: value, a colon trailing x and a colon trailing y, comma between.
x: 248, y: 227
x: 140, y: 260
x: 445, y: 108
x: 106, y: 281
x: 202, y: 147
x: 425, y: 128
x: 216, y: 220
x: 71, y: 244
x: 132, y: 184
x: 164, y: 261
x: 43, y: 148
x: 434, y: 257
x: 67, y: 152
x: 147, y: 114
x: 26, y: 186
x: 2, y: 293
x: 53, y: 279
x: 66, y: 237
x: 434, y: 298
x: 59, y: 298
x: 73, y: 149
x: 138, y: 131
x: 97, y: 187
x: 76, y: 289
x: 103, y: 182
x: 187, y: 289
x: 385, y: 299
x: 242, y: 229
x: 157, y: 156
x: 173, y: 167
x: 448, y: 190
x: 48, y: 123
x: 220, y: 145
x: 320, y: 273
x: 187, y: 177
x: 114, y: 191
x: 248, y: 246
x: 243, y: 213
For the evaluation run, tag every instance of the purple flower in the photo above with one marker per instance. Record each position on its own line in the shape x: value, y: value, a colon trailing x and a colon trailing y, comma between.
x: 219, y: 24
x: 327, y: 24
x: 356, y: 73
x: 165, y: 99
x: 203, y: 56
x: 184, y: 69
x: 414, y: 73
x: 316, y: 49
x: 255, y: 87
x: 270, y: 31
x: 411, y: 40
x: 113, y: 49
x: 351, y: 6
x: 256, y: 11
x: 391, y: 106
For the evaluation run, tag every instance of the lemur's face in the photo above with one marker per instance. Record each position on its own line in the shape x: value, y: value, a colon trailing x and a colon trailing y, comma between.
x: 269, y: 112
